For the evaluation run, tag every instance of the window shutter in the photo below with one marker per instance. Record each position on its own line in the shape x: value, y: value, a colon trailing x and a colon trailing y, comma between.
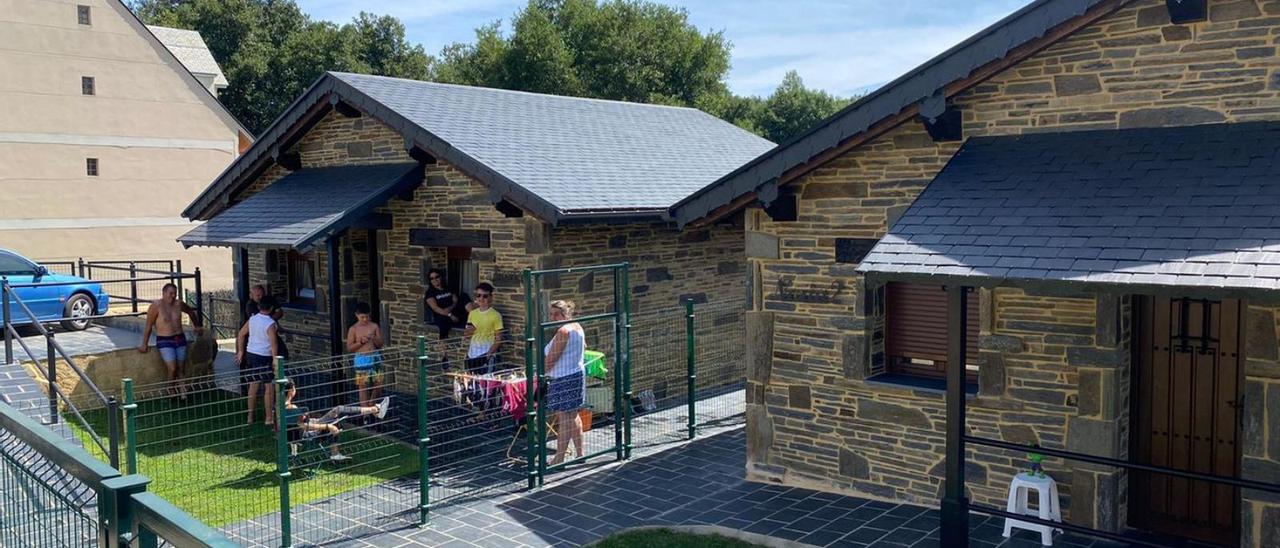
x: 916, y: 325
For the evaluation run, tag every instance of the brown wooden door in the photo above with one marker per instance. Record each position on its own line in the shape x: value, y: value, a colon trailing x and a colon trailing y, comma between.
x: 1186, y: 381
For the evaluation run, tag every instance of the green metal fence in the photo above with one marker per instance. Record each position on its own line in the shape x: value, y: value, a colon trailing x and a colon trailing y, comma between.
x: 450, y: 435
x: 40, y: 474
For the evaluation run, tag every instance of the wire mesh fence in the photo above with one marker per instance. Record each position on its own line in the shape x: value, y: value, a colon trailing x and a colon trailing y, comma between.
x: 40, y: 505
x: 196, y: 441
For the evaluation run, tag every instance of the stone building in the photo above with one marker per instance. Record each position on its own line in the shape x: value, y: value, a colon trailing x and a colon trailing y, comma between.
x: 393, y: 177
x: 1103, y: 175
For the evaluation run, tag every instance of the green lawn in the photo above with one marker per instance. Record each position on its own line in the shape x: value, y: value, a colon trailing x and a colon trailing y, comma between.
x: 667, y: 538
x: 201, y: 457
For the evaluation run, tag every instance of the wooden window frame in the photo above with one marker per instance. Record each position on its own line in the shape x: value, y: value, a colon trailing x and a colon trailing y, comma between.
x: 926, y: 357
x: 296, y: 295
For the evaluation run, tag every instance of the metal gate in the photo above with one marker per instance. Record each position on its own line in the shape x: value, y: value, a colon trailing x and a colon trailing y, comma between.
x: 614, y: 318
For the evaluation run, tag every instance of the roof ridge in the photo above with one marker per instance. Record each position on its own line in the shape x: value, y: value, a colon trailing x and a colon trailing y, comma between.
x: 340, y: 74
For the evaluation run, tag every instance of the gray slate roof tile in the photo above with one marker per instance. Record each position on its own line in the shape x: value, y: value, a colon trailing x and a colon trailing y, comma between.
x: 303, y: 206
x: 1123, y: 216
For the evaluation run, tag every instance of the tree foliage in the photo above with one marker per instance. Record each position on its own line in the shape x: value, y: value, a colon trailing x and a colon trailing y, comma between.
x: 271, y: 51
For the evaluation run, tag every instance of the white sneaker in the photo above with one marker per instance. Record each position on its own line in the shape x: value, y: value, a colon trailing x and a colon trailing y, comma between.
x: 339, y: 457
x: 382, y: 407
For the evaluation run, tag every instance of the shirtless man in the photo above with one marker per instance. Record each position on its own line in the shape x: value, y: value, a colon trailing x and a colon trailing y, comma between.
x: 165, y: 316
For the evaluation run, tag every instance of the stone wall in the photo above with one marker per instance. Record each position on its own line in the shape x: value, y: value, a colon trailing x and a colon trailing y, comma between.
x: 1055, y: 367
x: 667, y: 265
x: 1260, y: 430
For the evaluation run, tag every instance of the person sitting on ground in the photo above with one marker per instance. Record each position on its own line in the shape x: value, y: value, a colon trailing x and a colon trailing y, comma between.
x: 256, y: 347
x: 165, y: 316
x: 364, y: 338
x: 566, y: 379
x: 325, y: 429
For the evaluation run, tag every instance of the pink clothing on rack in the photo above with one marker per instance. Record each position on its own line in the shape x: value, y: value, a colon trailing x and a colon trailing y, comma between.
x: 514, y: 402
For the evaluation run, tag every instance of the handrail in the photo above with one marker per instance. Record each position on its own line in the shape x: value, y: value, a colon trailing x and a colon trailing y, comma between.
x: 172, y: 524
x: 173, y: 276
x: 66, y: 455
x: 150, y: 513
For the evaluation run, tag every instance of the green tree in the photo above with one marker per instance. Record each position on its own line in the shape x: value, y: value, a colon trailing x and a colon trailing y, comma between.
x: 793, y: 108
x: 271, y: 51
x: 620, y: 49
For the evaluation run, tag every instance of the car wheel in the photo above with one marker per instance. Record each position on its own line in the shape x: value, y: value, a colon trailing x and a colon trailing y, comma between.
x: 78, y: 306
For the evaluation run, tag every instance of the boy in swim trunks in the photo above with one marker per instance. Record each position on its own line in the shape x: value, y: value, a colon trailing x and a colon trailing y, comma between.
x: 364, y: 339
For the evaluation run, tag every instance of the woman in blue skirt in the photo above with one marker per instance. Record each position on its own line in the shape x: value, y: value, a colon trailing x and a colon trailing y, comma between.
x: 566, y: 379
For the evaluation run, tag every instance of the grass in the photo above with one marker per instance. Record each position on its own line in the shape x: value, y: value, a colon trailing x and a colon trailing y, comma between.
x: 201, y: 457
x: 647, y: 538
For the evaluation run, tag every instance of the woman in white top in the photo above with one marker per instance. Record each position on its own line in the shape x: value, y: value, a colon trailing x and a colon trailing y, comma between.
x: 256, y: 348
x: 566, y: 379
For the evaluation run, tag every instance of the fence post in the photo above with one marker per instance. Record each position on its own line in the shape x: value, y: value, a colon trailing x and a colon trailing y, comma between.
x: 199, y: 297
x: 115, y: 510
x: 130, y: 429
x: 424, y: 463
x: 51, y: 356
x: 113, y: 431
x: 133, y: 285
x: 8, y: 335
x: 530, y: 382
x: 177, y: 270
x: 620, y: 403
x: 691, y: 364
x: 282, y: 454
x: 626, y: 353
x: 80, y: 267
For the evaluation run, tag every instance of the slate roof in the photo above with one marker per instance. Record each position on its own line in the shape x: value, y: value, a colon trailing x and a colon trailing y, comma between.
x: 1185, y: 206
x: 925, y: 84
x: 190, y: 49
x: 302, y: 208
x: 558, y: 157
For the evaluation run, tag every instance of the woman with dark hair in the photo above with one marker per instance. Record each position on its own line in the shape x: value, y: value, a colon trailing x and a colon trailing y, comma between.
x: 566, y: 379
x: 445, y: 308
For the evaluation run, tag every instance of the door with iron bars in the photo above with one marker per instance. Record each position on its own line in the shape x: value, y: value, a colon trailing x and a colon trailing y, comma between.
x: 1186, y: 385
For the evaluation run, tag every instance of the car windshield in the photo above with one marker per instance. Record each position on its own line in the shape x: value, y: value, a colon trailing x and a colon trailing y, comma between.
x: 13, y: 265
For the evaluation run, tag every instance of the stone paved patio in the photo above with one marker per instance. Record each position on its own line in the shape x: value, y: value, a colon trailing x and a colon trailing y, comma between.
x: 693, y: 483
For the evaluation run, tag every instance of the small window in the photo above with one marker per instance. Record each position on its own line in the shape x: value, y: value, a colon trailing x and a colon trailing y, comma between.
x: 86, y: 85
x: 301, y: 270
x: 916, y: 331
x: 91, y: 167
x: 83, y: 14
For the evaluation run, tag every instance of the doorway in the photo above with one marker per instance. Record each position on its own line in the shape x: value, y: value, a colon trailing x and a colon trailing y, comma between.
x: 1186, y: 380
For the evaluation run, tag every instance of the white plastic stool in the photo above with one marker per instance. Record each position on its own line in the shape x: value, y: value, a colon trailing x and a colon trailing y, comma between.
x: 1047, y: 489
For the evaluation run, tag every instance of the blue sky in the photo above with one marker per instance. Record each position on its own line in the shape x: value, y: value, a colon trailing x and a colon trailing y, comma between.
x: 842, y: 46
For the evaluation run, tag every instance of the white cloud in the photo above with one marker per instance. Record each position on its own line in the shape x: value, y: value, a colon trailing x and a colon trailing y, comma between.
x: 842, y: 46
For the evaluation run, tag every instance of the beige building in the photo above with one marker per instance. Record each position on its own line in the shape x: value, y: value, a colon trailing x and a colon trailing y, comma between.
x: 106, y: 134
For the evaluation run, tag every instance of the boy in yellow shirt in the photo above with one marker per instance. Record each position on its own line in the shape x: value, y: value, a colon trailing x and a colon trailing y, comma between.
x: 484, y: 326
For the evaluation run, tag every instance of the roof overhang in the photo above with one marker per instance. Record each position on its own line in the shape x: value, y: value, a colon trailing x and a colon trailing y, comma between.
x: 970, y: 62
x: 307, y: 207
x: 1185, y: 211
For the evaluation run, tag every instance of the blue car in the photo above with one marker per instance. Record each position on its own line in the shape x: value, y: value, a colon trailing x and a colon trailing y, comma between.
x: 69, y: 302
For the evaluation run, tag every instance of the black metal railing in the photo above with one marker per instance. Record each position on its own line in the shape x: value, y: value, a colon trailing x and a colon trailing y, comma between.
x: 133, y: 282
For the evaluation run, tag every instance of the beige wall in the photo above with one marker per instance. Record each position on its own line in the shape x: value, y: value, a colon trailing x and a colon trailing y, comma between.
x: 157, y: 134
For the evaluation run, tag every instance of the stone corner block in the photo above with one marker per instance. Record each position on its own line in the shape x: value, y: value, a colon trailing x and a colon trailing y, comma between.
x: 760, y: 245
